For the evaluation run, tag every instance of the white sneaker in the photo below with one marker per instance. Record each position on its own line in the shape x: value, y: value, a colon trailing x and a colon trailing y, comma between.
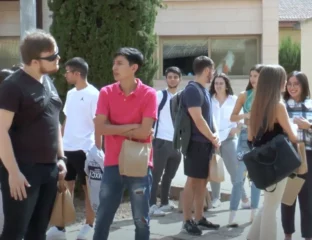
x: 169, y: 207
x: 216, y: 203
x: 84, y: 232
x: 246, y: 205
x: 54, y: 234
x: 156, y: 212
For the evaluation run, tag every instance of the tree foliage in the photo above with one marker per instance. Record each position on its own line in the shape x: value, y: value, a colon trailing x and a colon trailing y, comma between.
x: 95, y: 29
x: 289, y: 55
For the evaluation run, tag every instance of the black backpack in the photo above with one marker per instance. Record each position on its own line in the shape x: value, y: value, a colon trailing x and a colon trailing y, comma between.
x: 182, y: 120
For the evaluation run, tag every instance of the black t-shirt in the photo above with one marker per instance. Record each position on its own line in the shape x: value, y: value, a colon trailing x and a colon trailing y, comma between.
x: 192, y: 98
x: 34, y: 130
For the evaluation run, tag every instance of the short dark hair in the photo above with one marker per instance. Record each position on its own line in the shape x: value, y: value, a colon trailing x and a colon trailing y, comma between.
x: 200, y: 63
x: 173, y: 69
x: 133, y: 56
x: 257, y: 68
x: 303, y: 81
x: 4, y: 73
x: 228, y: 86
x: 78, y: 64
x: 35, y: 43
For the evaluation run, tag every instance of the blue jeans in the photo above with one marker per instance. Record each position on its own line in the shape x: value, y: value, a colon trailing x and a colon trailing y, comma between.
x: 238, y: 183
x: 112, y: 188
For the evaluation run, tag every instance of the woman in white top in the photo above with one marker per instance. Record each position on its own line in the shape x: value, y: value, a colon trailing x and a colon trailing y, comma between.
x: 223, y: 102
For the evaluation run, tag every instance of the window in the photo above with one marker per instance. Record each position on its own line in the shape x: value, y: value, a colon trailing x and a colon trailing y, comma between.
x: 9, y: 51
x: 181, y: 53
x: 234, y: 56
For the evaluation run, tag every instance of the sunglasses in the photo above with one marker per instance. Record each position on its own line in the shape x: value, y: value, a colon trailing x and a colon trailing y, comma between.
x: 50, y: 58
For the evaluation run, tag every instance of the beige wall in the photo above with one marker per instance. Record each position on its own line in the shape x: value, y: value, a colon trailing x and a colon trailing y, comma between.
x: 214, y: 17
x: 9, y: 19
x: 270, y: 19
x: 294, y: 34
x: 306, y: 49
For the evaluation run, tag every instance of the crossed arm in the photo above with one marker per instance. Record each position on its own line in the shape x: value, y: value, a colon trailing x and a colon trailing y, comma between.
x: 136, y: 131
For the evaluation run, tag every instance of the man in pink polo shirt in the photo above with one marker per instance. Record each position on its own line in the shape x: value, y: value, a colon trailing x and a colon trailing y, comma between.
x: 126, y: 109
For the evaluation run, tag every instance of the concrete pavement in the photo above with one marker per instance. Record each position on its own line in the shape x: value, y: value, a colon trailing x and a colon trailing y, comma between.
x: 169, y: 227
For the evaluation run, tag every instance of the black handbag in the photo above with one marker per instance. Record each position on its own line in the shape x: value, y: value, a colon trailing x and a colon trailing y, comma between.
x: 271, y: 162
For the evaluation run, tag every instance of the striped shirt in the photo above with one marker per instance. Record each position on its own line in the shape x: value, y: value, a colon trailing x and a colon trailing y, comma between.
x: 302, y: 109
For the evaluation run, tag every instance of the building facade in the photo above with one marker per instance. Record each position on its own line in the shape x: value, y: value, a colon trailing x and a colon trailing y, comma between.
x: 236, y: 34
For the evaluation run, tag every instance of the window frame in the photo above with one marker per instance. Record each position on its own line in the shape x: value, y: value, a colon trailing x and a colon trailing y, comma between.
x: 162, y: 39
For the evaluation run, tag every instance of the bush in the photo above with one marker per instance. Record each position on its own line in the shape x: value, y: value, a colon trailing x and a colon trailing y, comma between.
x: 289, y: 55
x: 95, y: 29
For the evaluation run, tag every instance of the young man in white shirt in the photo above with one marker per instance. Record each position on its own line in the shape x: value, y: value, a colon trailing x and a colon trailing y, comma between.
x: 78, y: 136
x: 166, y: 158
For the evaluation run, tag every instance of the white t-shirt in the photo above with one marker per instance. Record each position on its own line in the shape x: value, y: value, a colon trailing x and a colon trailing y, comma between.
x: 80, y: 107
x: 222, y: 115
x: 165, y: 126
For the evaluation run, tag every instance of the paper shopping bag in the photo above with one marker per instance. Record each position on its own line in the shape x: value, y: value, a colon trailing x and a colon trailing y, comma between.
x: 293, y: 187
x: 216, y: 169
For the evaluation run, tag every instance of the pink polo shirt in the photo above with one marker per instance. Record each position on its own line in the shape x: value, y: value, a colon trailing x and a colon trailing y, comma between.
x: 120, y: 110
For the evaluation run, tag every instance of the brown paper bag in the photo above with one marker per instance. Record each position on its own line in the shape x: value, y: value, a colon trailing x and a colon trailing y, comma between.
x: 293, y: 187
x: 69, y: 213
x: 57, y: 212
x: 216, y: 169
x: 133, y: 158
x: 207, y: 202
x: 303, y: 169
x: 63, y: 212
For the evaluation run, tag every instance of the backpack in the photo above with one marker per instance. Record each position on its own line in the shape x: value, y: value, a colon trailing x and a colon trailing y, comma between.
x: 160, y: 107
x: 182, y: 120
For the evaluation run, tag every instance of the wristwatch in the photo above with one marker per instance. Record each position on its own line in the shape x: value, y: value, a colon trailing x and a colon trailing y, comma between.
x: 64, y: 158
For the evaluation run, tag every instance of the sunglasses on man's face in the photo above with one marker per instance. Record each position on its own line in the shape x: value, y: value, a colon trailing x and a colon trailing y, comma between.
x: 50, y: 58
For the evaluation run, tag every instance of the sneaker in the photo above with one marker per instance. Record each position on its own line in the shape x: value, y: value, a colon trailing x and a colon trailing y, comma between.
x: 156, y: 212
x: 246, y: 205
x: 205, y: 224
x: 54, y: 234
x: 169, y: 207
x: 84, y: 232
x: 232, y: 223
x: 191, y: 228
x: 216, y: 203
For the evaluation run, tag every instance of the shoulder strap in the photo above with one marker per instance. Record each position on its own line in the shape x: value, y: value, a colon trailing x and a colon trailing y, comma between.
x: 160, y: 107
x: 201, y: 93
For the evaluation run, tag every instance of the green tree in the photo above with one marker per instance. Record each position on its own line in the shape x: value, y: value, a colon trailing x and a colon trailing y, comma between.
x: 95, y: 29
x: 289, y: 55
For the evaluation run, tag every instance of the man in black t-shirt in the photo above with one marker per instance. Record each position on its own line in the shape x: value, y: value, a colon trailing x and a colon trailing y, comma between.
x: 31, y: 143
x: 203, y: 139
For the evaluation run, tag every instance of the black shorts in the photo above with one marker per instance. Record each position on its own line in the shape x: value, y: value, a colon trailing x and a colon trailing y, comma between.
x: 196, y: 161
x: 75, y: 166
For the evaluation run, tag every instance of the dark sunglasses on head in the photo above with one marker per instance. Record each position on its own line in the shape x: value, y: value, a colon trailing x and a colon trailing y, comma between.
x: 50, y: 58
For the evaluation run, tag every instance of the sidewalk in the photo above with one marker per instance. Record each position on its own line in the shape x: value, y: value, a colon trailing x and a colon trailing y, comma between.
x: 180, y: 179
x: 169, y: 227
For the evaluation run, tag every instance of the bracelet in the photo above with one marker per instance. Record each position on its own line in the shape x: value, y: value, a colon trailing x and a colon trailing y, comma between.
x: 63, y: 158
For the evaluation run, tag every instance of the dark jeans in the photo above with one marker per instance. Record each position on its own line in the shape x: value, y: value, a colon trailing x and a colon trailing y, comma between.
x: 29, y: 219
x: 112, y: 188
x: 166, y: 164
x: 305, y: 201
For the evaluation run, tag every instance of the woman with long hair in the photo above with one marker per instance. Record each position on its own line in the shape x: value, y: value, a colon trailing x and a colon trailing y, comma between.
x: 223, y: 102
x: 244, y: 103
x: 269, y: 113
x: 299, y: 107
